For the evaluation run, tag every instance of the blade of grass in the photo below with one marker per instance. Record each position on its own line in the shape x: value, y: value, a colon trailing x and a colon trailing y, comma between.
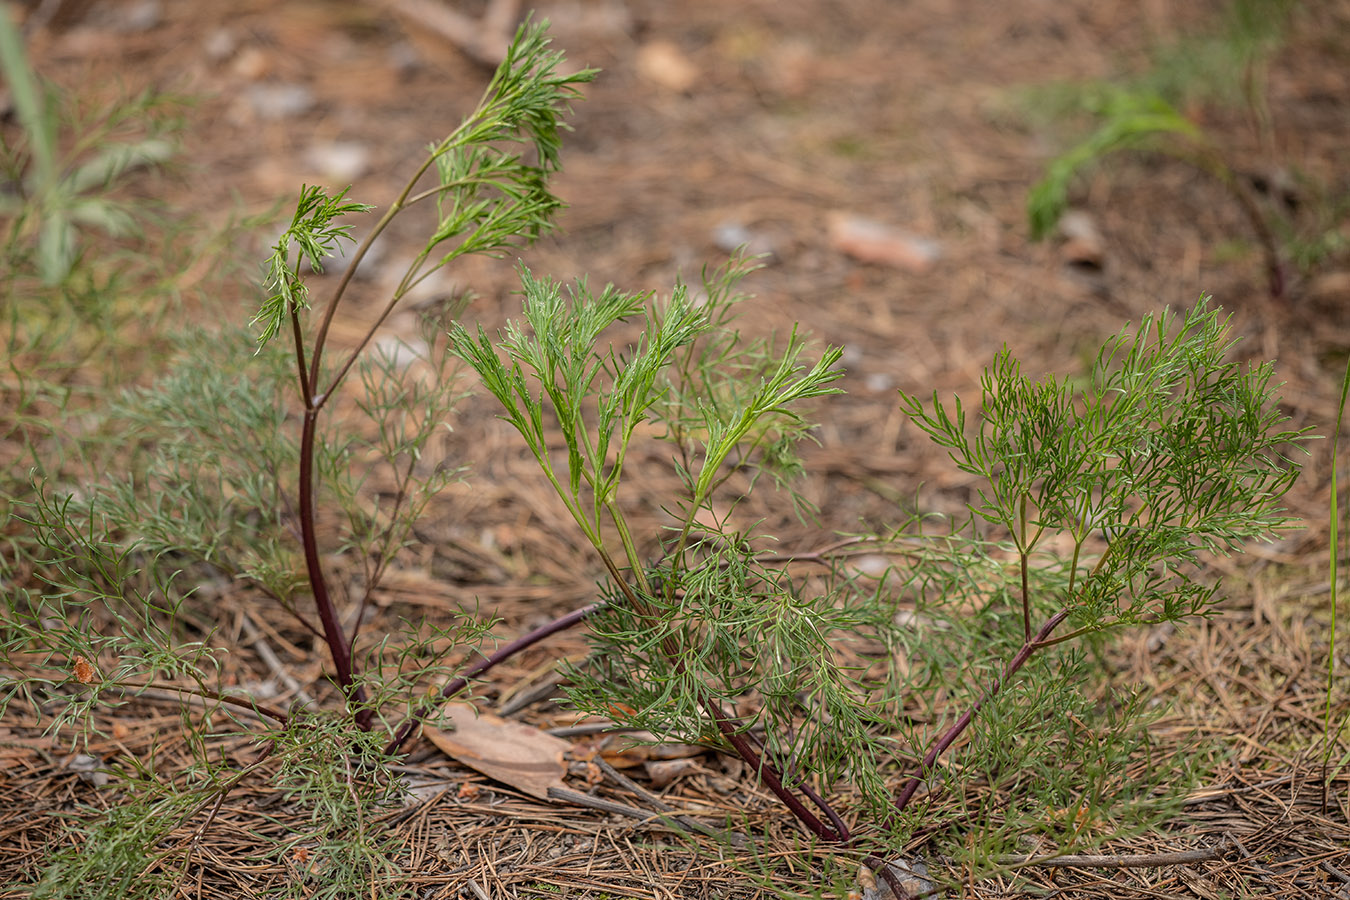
x: 1334, y: 515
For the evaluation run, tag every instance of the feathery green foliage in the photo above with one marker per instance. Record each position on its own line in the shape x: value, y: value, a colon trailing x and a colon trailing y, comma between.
x: 1170, y: 450
x: 1166, y: 452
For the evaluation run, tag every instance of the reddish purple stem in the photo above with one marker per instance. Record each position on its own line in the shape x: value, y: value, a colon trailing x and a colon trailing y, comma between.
x: 457, y: 684
x: 952, y: 733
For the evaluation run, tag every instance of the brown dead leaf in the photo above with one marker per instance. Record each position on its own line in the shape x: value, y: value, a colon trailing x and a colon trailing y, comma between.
x: 513, y: 753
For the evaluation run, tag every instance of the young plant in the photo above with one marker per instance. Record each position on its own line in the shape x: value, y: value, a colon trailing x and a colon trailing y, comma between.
x: 1142, y: 116
x: 97, y: 589
x: 56, y: 190
x: 81, y: 265
x: 487, y: 197
x: 1138, y: 120
x: 673, y: 639
x: 1169, y: 452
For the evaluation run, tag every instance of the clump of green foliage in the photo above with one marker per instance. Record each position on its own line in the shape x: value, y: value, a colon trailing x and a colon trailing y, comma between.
x: 1168, y: 452
x: 217, y: 479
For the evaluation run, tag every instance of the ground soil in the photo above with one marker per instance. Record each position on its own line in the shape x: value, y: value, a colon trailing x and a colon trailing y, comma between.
x: 714, y: 123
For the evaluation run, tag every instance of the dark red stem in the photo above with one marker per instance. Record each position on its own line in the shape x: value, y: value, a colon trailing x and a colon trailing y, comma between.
x: 952, y: 733
x: 844, y: 834
x: 458, y: 683
x: 769, y: 775
x: 333, y: 634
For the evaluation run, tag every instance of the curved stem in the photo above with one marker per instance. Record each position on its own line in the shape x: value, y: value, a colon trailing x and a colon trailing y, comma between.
x: 457, y: 684
x: 275, y: 715
x: 823, y: 805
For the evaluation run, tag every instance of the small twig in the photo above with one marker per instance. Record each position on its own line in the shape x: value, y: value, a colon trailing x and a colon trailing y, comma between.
x: 589, y: 728
x: 1117, y: 861
x: 259, y: 642
x: 1261, y: 871
x: 1214, y: 793
x: 629, y: 784
x: 455, y: 685
x: 478, y: 891
x: 767, y: 773
x: 736, y: 839
x: 579, y: 799
x: 610, y: 806
x: 1335, y: 872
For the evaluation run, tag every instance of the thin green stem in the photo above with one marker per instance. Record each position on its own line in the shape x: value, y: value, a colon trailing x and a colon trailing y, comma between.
x: 629, y: 547
x: 1024, y: 566
x: 1330, y: 734
x: 297, y: 334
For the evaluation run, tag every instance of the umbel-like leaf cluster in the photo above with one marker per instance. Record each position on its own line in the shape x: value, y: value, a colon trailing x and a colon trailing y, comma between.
x: 1169, y: 449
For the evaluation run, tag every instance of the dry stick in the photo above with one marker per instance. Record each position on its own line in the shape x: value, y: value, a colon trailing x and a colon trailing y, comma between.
x: 951, y: 734
x: 1126, y: 861
x: 668, y: 817
x: 457, y: 684
x: 577, y: 798
x: 259, y: 642
x: 736, y: 839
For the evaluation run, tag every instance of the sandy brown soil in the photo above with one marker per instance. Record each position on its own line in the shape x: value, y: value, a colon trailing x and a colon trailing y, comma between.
x: 715, y: 122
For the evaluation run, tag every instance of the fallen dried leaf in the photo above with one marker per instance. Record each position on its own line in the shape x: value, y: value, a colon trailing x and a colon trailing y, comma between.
x: 85, y: 673
x: 513, y: 753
